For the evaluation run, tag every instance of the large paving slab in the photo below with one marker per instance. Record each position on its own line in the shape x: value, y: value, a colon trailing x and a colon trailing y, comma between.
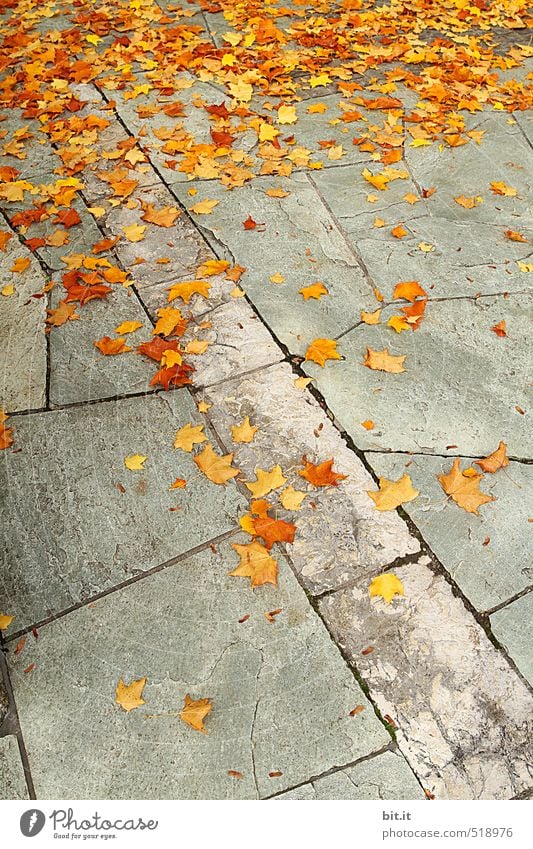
x: 513, y: 626
x: 340, y: 536
x: 455, y: 364
x: 298, y: 241
x: 463, y: 259
x: 22, y: 337
x: 385, y: 776
x: 488, y: 573
x: 463, y: 716
x: 78, y: 370
x: 70, y: 531
x: 503, y: 156
x: 281, y: 692
x: 12, y: 781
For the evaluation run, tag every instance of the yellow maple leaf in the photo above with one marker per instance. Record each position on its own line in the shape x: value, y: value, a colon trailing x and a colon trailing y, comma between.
x: 128, y: 327
x: 393, y: 493
x: 244, y: 432
x: 8, y: 290
x: 256, y: 564
x: 501, y: 188
x: 21, y: 264
x: 241, y: 91
x: 168, y: 319
x: 292, y: 498
x: 383, y: 361
x: 267, y: 133
x: 321, y: 350
x: 371, y: 317
x: 5, y: 621
x: 467, y: 203
x: 411, y: 198
x: 463, y: 487
x: 277, y: 193
x: 197, y: 346
x: 398, y: 323
x: 379, y: 181
x: 162, y: 217
x: 315, y: 290
x: 203, y: 407
x: 134, y: 232
x: 129, y: 696
x: 317, y: 108
x: 204, y: 207
x: 216, y: 468
x: 302, y: 382
x: 497, y: 460
x: 287, y: 115
x: 266, y: 481
x: 387, y: 586
x: 135, y: 462
x: 211, y: 267
x: 368, y: 424
x: 187, y: 289
x: 195, y: 711
x: 171, y: 358
x: 277, y: 278
x: 188, y: 436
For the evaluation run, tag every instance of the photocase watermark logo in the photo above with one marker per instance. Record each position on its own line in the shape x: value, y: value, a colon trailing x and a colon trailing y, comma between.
x: 32, y: 822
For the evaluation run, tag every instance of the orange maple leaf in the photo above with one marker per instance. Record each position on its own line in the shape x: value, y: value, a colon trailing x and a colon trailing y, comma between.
x: 321, y: 474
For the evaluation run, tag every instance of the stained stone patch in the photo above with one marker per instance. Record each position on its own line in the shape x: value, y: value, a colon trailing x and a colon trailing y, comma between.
x: 447, y: 258
x: 454, y: 364
x: 513, y: 626
x: 238, y: 342
x: 78, y: 370
x: 386, y: 776
x: 340, y: 536
x: 503, y: 156
x: 12, y: 781
x: 296, y: 239
x: 70, y: 531
x: 22, y: 337
x: 180, y: 247
x: 281, y: 692
x: 488, y: 572
x: 462, y: 715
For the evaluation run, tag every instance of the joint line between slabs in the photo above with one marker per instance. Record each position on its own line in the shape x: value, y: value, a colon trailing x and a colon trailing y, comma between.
x: 173, y: 561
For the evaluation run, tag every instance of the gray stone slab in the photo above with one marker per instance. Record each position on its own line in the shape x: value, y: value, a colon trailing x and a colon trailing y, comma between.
x: 22, y: 337
x: 454, y: 364
x: 70, y: 532
x: 345, y: 191
x: 487, y: 574
x: 466, y: 259
x: 513, y: 626
x: 238, y: 343
x: 462, y: 715
x: 298, y: 241
x: 78, y: 370
x: 502, y: 156
x: 339, y: 536
x: 281, y: 692
x: 385, y: 776
x: 181, y: 243
x: 12, y: 781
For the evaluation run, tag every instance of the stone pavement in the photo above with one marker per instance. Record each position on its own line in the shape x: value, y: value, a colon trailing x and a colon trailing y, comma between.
x: 318, y: 689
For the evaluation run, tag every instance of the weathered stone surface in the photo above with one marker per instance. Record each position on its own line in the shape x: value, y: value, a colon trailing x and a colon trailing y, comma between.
x: 281, y: 692
x: 466, y: 259
x: 238, y: 343
x: 463, y: 716
x: 340, y: 536
x: 78, y: 370
x: 488, y: 573
x: 298, y: 241
x: 12, y: 781
x: 386, y: 776
x: 455, y: 365
x: 69, y: 532
x: 513, y: 626
x: 22, y: 338
x: 502, y: 156
x: 346, y: 192
x: 180, y: 244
